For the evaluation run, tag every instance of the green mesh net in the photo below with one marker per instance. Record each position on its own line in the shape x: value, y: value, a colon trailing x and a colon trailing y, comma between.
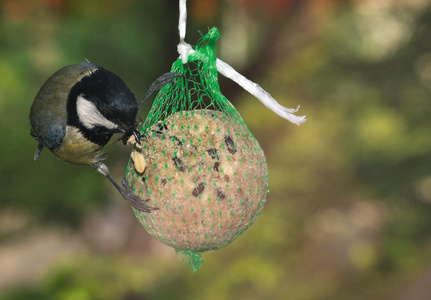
x: 198, y: 163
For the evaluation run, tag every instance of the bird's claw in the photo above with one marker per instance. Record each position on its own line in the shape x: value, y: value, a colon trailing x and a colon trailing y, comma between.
x: 134, y: 200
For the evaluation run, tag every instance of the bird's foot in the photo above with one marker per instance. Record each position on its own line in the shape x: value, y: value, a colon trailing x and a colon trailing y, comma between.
x: 134, y: 200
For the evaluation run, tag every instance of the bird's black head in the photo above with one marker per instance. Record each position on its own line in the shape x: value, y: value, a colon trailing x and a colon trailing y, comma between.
x: 101, y: 104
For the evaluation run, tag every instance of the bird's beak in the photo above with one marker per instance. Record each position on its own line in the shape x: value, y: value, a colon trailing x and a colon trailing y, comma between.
x: 137, y: 136
x: 131, y: 132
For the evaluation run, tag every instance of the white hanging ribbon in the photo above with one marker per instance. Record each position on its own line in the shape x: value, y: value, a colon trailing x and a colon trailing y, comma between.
x: 185, y: 49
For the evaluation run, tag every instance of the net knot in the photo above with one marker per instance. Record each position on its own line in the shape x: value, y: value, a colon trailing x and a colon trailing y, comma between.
x: 184, y: 49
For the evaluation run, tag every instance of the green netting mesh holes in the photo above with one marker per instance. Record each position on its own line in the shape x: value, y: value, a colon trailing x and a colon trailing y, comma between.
x: 205, y: 171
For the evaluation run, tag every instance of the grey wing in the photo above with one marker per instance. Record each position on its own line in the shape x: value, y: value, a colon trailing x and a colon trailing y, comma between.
x: 48, y: 130
x: 48, y: 114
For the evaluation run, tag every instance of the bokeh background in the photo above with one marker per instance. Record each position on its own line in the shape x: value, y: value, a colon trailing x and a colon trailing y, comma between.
x: 348, y: 215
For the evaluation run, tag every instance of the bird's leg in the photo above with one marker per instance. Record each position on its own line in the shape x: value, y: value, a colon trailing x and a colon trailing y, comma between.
x: 158, y: 84
x: 127, y: 193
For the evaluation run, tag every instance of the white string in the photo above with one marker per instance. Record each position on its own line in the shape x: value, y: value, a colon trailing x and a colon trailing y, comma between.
x: 259, y: 93
x: 185, y: 49
x: 183, y: 20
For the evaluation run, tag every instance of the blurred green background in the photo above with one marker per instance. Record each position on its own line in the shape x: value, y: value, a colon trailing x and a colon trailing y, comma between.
x: 348, y: 215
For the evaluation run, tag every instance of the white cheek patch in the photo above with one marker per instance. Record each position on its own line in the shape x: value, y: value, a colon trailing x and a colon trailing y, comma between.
x: 90, y: 116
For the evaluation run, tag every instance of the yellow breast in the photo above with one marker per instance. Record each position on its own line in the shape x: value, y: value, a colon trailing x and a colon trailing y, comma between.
x: 77, y: 150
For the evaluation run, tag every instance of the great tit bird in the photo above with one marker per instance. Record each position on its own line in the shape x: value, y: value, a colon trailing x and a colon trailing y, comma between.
x: 79, y: 108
